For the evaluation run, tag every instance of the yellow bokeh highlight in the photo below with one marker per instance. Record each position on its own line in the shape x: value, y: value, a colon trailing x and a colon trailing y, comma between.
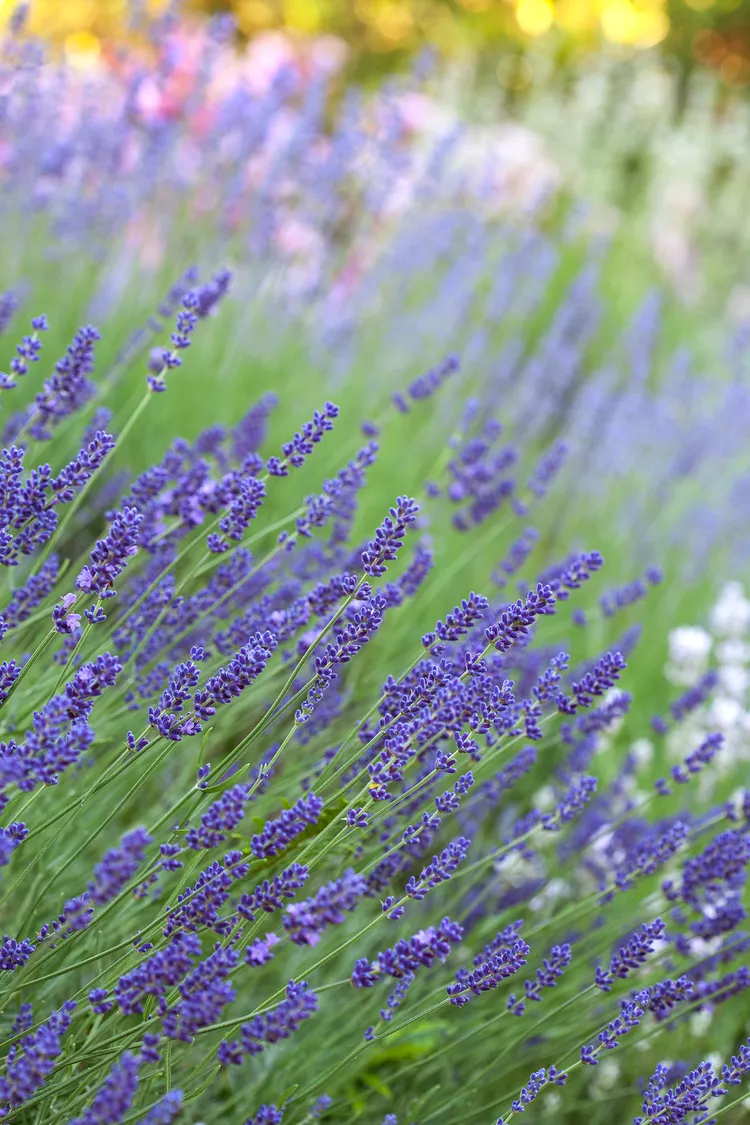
x: 302, y: 15
x: 576, y: 15
x: 644, y: 25
x: 253, y: 15
x: 700, y: 5
x: 82, y: 49
x: 535, y: 16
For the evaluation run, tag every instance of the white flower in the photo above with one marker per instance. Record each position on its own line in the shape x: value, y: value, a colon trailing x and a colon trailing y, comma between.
x: 733, y: 652
x: 689, y: 645
x: 642, y: 751
x: 701, y: 1022
x: 725, y: 712
x: 734, y: 679
x: 731, y: 614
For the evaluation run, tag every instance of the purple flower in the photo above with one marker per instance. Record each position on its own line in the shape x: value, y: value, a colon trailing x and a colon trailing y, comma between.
x: 199, y: 905
x: 501, y: 963
x: 98, y: 999
x: 159, y: 972
x: 538, y: 1080
x: 516, y: 620
x: 439, y: 870
x: 547, y: 469
x: 34, y: 591
x: 229, y: 682
x: 266, y: 1115
x: 576, y: 798
x: 221, y: 818
x: 320, y: 1106
x: 305, y: 921
x: 115, y: 1096
x: 604, y: 674
x: 698, y: 759
x: 165, y: 1110
x: 278, y: 834
x: 109, y: 556
x: 14, y: 954
x: 67, y: 389
x: 650, y: 855
x: 9, y: 304
x: 118, y: 866
x: 357, y: 818
x: 261, y: 950
x: 270, y: 896
x: 28, y: 351
x: 407, y: 955
x: 632, y: 955
x: 389, y: 537
x: 63, y: 619
x: 301, y: 446
x: 270, y: 1027
x: 552, y: 969
x: 28, y: 1068
x: 204, y: 993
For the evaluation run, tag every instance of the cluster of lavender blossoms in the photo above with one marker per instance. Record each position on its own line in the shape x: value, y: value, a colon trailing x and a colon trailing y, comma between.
x: 296, y: 824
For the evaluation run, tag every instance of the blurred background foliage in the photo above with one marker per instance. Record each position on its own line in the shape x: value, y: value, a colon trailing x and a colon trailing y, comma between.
x: 382, y: 34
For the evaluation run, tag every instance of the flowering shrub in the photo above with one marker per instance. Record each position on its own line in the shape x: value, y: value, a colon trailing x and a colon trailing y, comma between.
x: 282, y: 841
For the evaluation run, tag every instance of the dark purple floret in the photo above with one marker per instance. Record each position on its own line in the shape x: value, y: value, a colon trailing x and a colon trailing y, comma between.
x: 9, y: 673
x: 266, y: 1115
x: 650, y: 855
x: 165, y: 1111
x: 63, y: 619
x: 278, y: 834
x: 305, y: 921
x: 28, y: 351
x: 33, y: 1060
x: 118, y: 866
x: 269, y: 896
x: 698, y: 759
x: 68, y: 388
x: 199, y: 905
x: 34, y: 591
x: 320, y: 1105
x: 547, y: 469
x: 230, y: 681
x: 576, y: 798
x: 632, y: 955
x: 517, y: 619
x: 301, y: 446
x: 271, y: 1027
x: 221, y: 818
x: 261, y: 950
x: 439, y: 870
x: 685, y: 1102
x: 115, y: 1096
x: 24, y: 1020
x: 502, y: 963
x: 9, y: 304
x: 98, y: 999
x: 110, y: 556
x: 14, y: 954
x: 389, y: 537
x: 407, y: 955
x: 537, y: 1081
x: 60, y: 732
x: 204, y: 993
x: 553, y: 967
x: 154, y: 976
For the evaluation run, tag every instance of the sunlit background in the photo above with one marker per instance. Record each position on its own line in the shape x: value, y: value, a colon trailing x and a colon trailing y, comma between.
x: 711, y: 33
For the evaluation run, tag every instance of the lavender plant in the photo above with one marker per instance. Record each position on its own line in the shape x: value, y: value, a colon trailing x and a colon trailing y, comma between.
x: 296, y: 823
